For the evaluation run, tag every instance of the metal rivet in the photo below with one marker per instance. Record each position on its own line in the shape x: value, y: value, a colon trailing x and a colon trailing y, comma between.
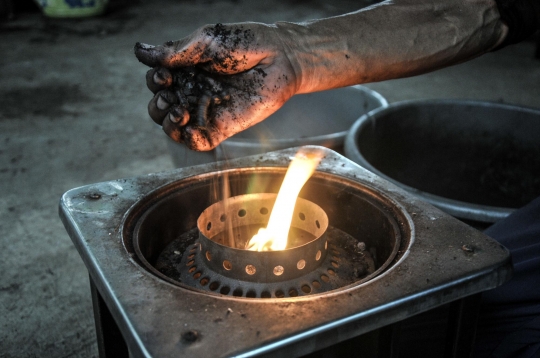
x: 94, y: 196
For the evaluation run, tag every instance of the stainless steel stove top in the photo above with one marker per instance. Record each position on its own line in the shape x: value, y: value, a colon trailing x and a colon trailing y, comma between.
x: 441, y: 260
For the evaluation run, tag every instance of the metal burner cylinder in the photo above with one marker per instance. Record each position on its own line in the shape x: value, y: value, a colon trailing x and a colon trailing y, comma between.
x: 226, y: 226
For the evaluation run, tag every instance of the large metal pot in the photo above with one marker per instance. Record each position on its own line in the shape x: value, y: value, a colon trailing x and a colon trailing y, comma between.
x: 477, y: 161
x: 321, y: 118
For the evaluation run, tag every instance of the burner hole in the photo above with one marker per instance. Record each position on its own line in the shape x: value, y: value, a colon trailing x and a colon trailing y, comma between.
x: 251, y: 294
x: 204, y: 281
x: 278, y: 270
x: 331, y: 272
x: 190, y: 262
x: 227, y: 265
x: 192, y: 269
x: 335, y: 258
x: 326, y: 245
x: 214, y: 285
x: 225, y: 290
x: 335, y: 264
x: 335, y: 252
x: 316, y: 284
x: 301, y: 264
x: 263, y: 211
x: 293, y: 292
x: 317, y: 223
x: 193, y: 249
x: 222, y: 218
x: 242, y: 213
x: 318, y: 256
x: 280, y: 294
x: 302, y: 216
x: 208, y: 256
x: 191, y: 256
x: 250, y: 269
x: 208, y: 226
x: 265, y: 294
x: 196, y: 275
x: 325, y: 278
x: 238, y: 292
x: 306, y: 289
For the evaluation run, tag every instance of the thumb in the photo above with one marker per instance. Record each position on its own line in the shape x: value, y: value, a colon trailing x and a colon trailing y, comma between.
x: 173, y: 54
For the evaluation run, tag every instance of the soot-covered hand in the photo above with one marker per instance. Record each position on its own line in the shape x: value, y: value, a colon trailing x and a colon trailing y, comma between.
x: 217, y: 82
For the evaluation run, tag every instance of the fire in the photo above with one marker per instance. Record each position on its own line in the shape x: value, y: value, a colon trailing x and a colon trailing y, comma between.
x: 274, y: 236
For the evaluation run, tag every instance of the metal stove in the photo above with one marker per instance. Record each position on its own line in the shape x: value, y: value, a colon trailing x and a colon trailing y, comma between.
x: 165, y: 284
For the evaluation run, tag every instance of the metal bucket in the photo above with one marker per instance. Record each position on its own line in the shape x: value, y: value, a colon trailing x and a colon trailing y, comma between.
x: 321, y: 118
x: 478, y: 161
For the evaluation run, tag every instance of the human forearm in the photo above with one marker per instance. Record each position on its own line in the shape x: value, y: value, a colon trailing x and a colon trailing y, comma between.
x: 261, y: 66
x: 389, y: 40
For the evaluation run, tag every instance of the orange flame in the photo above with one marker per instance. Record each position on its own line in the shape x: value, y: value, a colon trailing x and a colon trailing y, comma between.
x: 274, y: 236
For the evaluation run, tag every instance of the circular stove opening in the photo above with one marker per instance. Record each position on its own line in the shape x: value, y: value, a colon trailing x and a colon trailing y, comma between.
x: 367, y: 233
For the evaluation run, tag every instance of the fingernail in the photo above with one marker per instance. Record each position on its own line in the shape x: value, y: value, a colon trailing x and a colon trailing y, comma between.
x: 143, y: 46
x: 179, y: 115
x: 162, y: 103
x: 162, y: 77
x: 176, y: 114
x: 173, y: 118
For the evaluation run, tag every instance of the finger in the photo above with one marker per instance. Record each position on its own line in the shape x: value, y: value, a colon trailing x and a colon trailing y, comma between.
x: 172, y: 130
x: 178, y: 115
x: 206, y: 133
x: 159, y: 106
x: 181, y: 53
x: 201, y: 138
x: 147, y: 54
x: 158, y: 78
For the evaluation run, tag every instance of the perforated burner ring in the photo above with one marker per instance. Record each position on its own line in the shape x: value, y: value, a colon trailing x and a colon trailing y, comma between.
x: 218, y: 261
x: 226, y: 226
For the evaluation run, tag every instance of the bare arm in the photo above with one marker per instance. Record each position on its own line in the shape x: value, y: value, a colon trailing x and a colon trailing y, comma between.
x: 264, y: 65
x: 390, y: 40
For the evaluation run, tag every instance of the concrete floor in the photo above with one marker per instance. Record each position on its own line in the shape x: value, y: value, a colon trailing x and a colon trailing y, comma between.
x: 73, y: 112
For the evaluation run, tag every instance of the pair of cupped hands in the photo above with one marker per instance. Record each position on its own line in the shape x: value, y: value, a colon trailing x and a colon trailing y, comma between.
x: 217, y: 81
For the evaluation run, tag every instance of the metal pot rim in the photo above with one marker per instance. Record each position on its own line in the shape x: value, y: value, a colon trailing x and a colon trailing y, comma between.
x: 457, y: 208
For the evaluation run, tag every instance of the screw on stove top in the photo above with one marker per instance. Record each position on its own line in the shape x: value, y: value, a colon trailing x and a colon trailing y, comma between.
x: 190, y: 336
x: 467, y: 248
x: 94, y: 196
